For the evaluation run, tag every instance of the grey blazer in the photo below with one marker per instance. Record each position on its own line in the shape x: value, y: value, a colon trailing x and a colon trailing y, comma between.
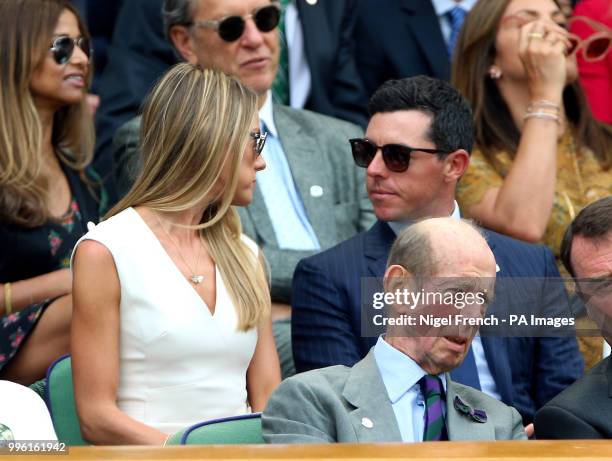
x: 350, y: 405
x: 332, y: 188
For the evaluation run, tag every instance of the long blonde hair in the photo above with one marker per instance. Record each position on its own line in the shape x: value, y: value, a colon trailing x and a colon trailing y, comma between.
x: 26, y: 31
x: 495, y: 128
x: 195, y: 125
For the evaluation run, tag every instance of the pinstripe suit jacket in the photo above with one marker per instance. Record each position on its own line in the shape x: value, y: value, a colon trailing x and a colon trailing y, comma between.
x: 326, y: 318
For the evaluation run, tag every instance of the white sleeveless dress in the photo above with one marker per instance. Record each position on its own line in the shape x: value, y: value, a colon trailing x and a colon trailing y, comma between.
x: 178, y: 363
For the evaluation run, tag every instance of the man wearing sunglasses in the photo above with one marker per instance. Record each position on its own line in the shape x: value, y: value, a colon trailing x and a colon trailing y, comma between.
x: 320, y: 63
x: 583, y: 411
x: 416, y: 148
x: 311, y: 195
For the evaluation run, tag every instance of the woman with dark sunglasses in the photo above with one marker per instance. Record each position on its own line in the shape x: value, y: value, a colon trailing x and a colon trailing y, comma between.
x: 540, y: 155
x: 48, y: 193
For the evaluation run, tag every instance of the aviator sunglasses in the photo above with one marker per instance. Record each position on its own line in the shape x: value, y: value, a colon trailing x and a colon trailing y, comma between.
x: 259, y: 141
x: 395, y: 156
x: 231, y: 28
x: 63, y: 47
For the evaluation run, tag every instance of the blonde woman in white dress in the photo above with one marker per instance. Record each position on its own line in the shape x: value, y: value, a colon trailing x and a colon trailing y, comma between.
x: 171, y: 318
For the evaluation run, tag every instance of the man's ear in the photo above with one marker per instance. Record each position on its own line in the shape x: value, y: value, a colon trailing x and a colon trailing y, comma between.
x: 456, y: 164
x: 183, y: 42
x: 394, y: 277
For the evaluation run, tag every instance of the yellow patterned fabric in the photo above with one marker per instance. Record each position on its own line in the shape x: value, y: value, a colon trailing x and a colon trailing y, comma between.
x: 580, y: 181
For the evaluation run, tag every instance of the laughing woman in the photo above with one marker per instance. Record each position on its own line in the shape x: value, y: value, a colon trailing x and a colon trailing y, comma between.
x: 47, y: 192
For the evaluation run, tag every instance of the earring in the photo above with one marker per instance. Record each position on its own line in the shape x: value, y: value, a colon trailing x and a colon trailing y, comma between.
x: 495, y: 73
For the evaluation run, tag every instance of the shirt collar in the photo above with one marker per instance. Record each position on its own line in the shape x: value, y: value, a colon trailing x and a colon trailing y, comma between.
x: 398, y: 371
x: 266, y: 115
x: 399, y: 226
x: 444, y: 6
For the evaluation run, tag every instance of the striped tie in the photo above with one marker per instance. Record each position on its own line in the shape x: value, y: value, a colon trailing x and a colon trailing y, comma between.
x: 280, y: 86
x: 456, y: 17
x: 433, y: 393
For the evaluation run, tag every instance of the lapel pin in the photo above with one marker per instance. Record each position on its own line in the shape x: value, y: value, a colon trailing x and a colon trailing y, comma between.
x: 367, y: 423
x: 480, y: 416
x: 316, y: 191
x: 311, y: 2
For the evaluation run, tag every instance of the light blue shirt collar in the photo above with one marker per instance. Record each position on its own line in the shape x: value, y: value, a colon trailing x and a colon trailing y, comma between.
x: 398, y: 371
x: 399, y: 226
x: 444, y: 6
x: 266, y: 115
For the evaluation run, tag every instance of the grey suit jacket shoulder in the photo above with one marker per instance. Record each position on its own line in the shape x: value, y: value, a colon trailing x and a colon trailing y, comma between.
x: 328, y: 405
x: 331, y: 187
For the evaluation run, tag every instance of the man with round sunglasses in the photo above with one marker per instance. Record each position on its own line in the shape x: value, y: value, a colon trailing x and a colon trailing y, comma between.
x: 312, y: 195
x: 322, y: 75
x: 416, y: 148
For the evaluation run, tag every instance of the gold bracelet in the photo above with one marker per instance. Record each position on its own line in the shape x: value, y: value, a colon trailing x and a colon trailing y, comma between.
x: 166, y: 441
x: 8, y: 304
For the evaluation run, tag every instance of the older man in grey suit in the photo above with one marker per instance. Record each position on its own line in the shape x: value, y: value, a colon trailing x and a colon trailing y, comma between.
x: 401, y: 391
x: 311, y: 196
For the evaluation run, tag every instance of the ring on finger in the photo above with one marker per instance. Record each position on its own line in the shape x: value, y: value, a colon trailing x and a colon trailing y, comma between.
x: 536, y: 35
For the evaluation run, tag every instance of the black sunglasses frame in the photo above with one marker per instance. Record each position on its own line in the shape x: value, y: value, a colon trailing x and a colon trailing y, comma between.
x: 231, y: 28
x: 395, y: 156
x: 64, y: 44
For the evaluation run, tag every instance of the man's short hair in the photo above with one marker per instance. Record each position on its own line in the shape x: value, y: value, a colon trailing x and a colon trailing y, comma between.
x: 177, y: 13
x: 594, y: 221
x: 452, y: 125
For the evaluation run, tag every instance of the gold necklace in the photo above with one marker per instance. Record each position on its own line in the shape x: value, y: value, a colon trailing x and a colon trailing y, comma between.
x: 196, y: 279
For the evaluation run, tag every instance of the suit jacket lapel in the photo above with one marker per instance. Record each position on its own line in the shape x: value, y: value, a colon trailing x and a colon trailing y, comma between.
x: 313, y: 18
x: 261, y: 219
x: 459, y: 425
x: 424, y: 23
x: 378, y: 241
x: 299, y: 148
x: 365, y: 390
x: 496, y: 353
x: 609, y: 376
x: 496, y: 348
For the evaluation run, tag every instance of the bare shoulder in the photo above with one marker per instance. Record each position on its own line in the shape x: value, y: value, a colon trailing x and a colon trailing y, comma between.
x: 92, y: 252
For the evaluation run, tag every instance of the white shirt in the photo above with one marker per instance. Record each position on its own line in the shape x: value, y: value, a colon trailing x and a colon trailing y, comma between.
x: 266, y: 115
x: 401, y: 375
x: 442, y: 7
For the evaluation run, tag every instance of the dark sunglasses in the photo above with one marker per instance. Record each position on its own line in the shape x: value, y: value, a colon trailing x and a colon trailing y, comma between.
x: 395, y: 156
x: 260, y: 141
x: 63, y: 47
x: 231, y: 28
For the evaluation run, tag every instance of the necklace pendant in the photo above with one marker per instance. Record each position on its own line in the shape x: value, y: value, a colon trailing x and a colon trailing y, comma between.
x: 197, y: 279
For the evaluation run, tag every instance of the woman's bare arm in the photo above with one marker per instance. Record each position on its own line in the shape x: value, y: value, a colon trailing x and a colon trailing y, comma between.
x: 95, y: 352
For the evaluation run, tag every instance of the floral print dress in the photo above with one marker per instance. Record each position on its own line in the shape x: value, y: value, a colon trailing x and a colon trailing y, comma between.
x: 30, y: 252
